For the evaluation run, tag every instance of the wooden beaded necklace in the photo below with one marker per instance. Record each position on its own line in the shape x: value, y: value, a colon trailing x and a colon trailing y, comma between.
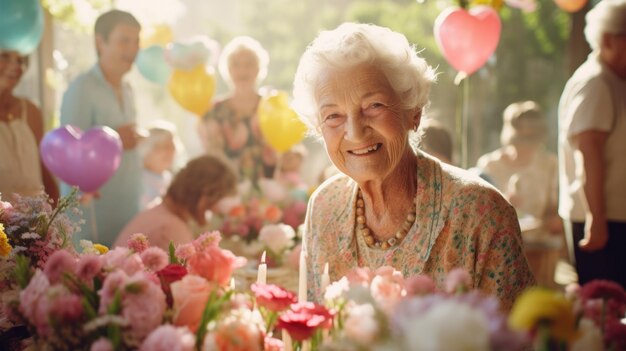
x: 367, y: 234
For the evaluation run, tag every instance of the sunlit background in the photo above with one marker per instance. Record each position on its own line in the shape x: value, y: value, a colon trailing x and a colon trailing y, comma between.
x: 536, y: 53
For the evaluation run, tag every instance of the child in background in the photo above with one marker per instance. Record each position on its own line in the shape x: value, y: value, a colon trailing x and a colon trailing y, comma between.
x: 157, y: 151
x: 290, y: 167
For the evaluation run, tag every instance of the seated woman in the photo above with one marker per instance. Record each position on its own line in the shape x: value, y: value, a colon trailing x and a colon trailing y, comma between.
x: 364, y: 89
x: 195, y: 189
x: 522, y: 168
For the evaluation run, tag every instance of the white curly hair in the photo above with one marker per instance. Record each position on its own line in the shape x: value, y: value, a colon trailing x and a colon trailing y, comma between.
x: 608, y: 16
x: 350, y: 45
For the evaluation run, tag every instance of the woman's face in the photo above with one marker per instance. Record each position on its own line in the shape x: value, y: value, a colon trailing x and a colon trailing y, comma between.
x: 12, y: 67
x: 161, y: 157
x: 364, y: 128
x: 243, y: 67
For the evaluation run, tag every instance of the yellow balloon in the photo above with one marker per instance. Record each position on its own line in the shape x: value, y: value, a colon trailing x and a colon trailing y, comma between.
x: 193, y: 89
x: 279, y: 123
x: 160, y: 34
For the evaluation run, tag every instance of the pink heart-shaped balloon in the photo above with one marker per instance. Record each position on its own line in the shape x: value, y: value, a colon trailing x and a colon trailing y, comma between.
x: 86, y: 160
x: 467, y: 38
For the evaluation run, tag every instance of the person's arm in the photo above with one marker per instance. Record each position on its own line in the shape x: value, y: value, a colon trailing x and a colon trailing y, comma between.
x: 591, y: 145
x: 35, y: 122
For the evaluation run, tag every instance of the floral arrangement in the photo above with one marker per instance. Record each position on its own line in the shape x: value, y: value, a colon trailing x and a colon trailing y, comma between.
x: 273, y: 202
x: 142, y: 297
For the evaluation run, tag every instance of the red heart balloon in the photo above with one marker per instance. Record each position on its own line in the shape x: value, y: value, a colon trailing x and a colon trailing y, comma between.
x: 467, y: 38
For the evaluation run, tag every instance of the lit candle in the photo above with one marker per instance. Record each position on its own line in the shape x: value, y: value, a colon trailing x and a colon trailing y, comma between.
x: 302, y: 277
x: 325, y: 278
x: 262, y: 275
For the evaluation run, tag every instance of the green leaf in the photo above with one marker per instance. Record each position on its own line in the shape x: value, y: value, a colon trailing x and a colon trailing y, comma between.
x: 22, y: 271
x: 172, y: 253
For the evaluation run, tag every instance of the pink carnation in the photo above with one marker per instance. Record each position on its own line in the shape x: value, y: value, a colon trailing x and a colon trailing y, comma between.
x: 215, y: 264
x: 143, y: 306
x: 206, y: 240
x: 273, y: 297
x: 185, y: 251
x: 58, y: 263
x: 138, y: 242
x: 102, y: 344
x: 154, y: 258
x: 112, y: 283
x: 33, y: 302
x: 67, y: 308
x: 169, y: 338
x: 273, y: 344
x: 88, y: 267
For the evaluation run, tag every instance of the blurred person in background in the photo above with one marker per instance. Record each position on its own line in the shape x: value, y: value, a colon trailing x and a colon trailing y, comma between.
x: 196, y: 189
x: 232, y: 125
x: 101, y: 97
x: 522, y: 169
x: 21, y: 130
x: 592, y: 149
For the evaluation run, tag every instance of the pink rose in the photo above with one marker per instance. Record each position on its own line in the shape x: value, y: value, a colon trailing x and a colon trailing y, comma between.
x: 215, y: 264
x: 190, y: 296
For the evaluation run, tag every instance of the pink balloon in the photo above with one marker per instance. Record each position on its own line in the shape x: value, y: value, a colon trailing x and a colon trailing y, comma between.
x: 467, y: 38
x: 86, y: 160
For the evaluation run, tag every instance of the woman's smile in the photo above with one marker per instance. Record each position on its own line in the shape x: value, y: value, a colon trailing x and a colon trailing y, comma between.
x: 366, y: 150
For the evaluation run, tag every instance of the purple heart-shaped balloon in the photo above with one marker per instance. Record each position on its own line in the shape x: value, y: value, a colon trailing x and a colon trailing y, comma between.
x: 86, y: 160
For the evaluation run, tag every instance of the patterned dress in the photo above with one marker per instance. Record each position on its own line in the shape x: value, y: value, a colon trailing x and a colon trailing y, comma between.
x: 461, y: 222
x: 240, y: 140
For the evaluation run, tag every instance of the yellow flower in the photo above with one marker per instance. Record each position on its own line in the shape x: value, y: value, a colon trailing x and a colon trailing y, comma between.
x: 540, y: 305
x: 101, y: 248
x: 5, y: 247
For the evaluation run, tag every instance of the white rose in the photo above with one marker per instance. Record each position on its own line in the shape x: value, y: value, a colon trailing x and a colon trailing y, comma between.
x: 277, y: 237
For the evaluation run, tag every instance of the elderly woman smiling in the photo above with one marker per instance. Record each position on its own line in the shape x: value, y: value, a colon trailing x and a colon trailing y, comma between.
x: 364, y: 89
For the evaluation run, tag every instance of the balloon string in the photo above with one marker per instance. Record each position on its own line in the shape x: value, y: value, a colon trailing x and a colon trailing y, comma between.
x: 94, y: 227
x: 465, y: 144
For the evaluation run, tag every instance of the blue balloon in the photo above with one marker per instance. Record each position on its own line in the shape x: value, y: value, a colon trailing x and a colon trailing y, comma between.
x: 152, y: 65
x: 21, y: 25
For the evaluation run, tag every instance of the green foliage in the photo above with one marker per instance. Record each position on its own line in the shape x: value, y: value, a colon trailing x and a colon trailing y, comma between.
x: 22, y: 272
x: 172, y: 253
x: 211, y: 311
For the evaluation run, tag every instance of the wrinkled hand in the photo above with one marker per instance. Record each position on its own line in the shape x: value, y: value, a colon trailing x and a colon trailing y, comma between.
x: 129, y: 135
x: 596, y: 235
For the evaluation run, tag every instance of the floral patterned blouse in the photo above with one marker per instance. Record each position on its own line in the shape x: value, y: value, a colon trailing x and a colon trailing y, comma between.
x: 240, y: 139
x: 461, y: 222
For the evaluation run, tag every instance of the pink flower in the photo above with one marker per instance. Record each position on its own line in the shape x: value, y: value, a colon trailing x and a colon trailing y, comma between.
x: 58, y: 263
x: 67, y: 308
x: 272, y: 213
x: 154, y: 258
x: 419, y: 285
x: 169, y: 338
x: 273, y: 344
x: 138, y: 242
x: 215, y: 264
x: 303, y: 319
x: 33, y: 302
x: 615, y: 335
x: 241, y: 330
x: 387, y: 289
x: 185, y: 251
x: 143, y: 306
x: 207, y: 240
x: 88, y: 267
x: 294, y: 214
x: 102, y: 344
x: 458, y: 280
x: 293, y: 257
x: 190, y: 296
x: 360, y: 276
x: 121, y: 258
x: 111, y: 285
x: 273, y: 297
x: 277, y: 237
x: 603, y: 289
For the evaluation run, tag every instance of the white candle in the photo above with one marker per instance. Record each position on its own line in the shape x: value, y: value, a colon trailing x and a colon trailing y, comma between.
x: 262, y: 274
x: 287, y: 341
x: 232, y: 284
x: 302, y: 277
x: 325, y: 278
